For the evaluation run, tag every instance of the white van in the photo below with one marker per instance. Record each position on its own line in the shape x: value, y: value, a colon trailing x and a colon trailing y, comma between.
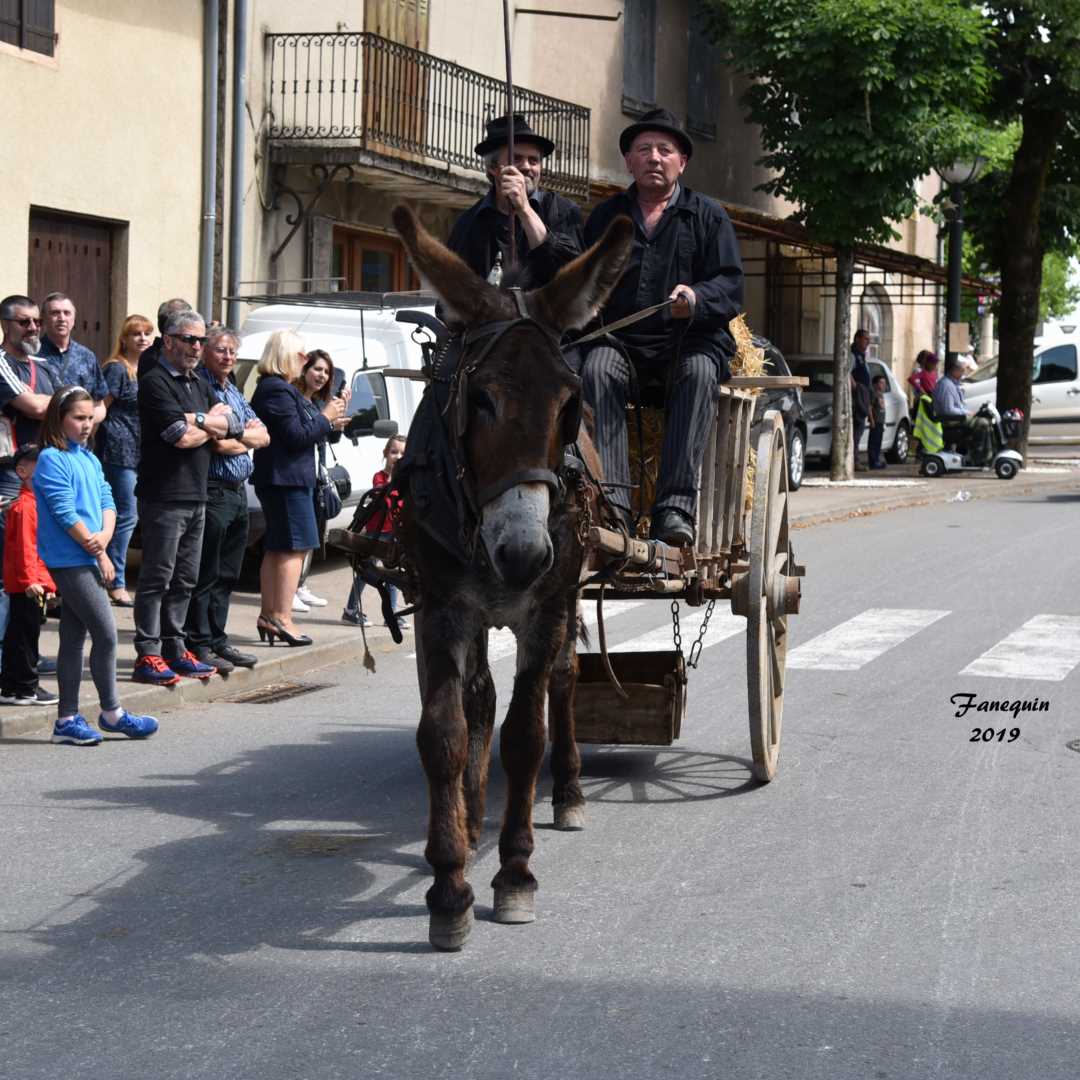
x: 1055, y: 380
x: 363, y: 338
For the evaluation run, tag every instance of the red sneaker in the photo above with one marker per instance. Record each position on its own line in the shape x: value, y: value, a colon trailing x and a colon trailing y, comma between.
x: 154, y: 670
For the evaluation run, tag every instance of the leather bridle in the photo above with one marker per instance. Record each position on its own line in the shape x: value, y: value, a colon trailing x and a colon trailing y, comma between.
x: 477, y: 345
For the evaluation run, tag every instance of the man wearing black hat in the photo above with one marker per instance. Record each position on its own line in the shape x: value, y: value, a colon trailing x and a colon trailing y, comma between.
x: 685, y: 251
x: 548, y: 227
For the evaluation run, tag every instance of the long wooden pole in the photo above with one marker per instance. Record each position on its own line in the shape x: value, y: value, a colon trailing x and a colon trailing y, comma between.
x: 509, y: 123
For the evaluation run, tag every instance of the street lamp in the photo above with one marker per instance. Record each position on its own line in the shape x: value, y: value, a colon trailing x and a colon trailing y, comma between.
x: 957, y: 176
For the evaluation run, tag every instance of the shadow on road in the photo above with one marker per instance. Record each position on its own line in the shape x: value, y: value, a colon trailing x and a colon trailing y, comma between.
x: 665, y: 775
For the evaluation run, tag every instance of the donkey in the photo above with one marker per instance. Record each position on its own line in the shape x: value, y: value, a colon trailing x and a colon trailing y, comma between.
x: 512, y: 406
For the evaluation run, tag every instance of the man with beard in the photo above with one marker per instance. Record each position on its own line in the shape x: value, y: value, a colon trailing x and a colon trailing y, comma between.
x: 151, y: 357
x: 547, y: 226
x: 178, y: 420
x: 26, y: 387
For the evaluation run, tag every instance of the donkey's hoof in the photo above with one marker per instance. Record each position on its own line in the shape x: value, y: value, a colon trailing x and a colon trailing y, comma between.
x: 448, y: 933
x: 515, y: 906
x: 569, y: 818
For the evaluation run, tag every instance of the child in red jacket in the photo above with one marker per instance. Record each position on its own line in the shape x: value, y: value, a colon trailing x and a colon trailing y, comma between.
x: 28, y: 584
x: 380, y: 523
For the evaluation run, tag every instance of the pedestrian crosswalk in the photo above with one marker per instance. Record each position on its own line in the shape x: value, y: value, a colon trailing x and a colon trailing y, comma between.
x: 867, y: 636
x: 1045, y: 648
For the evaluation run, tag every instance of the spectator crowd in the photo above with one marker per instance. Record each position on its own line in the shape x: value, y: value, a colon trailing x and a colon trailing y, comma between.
x: 156, y: 435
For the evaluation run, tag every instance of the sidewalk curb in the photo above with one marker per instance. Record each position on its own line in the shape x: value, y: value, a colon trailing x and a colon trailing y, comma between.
x: 927, y: 498
x: 288, y: 663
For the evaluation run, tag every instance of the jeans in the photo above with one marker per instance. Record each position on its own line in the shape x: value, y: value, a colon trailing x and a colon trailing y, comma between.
x: 224, y: 540
x: 873, y: 449
x: 353, y: 605
x: 172, y: 545
x: 122, y: 481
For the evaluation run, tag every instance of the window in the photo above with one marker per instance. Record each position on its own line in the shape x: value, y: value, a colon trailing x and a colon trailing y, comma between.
x: 1055, y: 365
x: 703, y: 83
x: 639, y: 57
x: 368, y: 401
x: 29, y: 24
x: 371, y: 262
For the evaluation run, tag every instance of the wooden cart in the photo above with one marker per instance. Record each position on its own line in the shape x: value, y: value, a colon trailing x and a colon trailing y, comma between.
x: 743, y: 554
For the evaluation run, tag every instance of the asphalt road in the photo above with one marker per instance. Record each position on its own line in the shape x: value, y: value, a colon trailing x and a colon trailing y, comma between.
x: 242, y: 897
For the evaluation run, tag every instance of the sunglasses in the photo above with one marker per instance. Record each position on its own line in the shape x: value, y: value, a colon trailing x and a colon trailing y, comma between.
x: 26, y: 322
x: 189, y: 339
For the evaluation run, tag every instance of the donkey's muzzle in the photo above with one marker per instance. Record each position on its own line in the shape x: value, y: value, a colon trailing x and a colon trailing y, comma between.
x: 523, y: 556
x: 515, y: 530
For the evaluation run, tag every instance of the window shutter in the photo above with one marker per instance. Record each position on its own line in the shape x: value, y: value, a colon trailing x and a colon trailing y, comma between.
x: 703, y: 82
x: 639, y: 57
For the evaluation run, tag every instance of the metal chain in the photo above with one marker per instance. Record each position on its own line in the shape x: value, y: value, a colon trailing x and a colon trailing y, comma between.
x: 585, y: 511
x: 695, y: 649
x: 675, y: 631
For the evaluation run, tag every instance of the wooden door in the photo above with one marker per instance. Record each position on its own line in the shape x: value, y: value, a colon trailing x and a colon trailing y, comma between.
x: 74, y: 255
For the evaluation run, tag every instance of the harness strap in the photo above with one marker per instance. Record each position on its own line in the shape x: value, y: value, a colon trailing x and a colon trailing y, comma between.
x: 522, y: 476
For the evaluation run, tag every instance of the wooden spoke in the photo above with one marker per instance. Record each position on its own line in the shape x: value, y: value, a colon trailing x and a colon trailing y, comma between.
x: 770, y: 557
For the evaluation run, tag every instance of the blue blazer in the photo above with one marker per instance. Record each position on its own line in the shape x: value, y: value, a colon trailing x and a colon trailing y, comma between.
x: 289, y: 460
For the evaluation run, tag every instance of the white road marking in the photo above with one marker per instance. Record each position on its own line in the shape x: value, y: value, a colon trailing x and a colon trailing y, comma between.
x: 1046, y: 647
x: 502, y: 643
x: 867, y: 636
x: 723, y: 624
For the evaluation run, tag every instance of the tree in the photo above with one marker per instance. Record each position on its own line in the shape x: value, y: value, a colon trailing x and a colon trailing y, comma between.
x: 1030, y: 207
x: 856, y: 99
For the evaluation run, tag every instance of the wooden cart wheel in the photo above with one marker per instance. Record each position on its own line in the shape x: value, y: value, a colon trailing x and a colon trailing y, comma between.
x: 772, y: 592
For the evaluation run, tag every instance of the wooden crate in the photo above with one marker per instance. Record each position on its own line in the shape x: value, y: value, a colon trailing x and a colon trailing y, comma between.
x: 656, y: 683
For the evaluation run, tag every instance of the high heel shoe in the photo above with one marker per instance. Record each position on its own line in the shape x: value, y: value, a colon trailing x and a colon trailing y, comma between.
x: 289, y: 639
x: 266, y: 628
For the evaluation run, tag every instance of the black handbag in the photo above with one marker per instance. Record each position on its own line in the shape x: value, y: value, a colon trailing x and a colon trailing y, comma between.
x: 334, y: 486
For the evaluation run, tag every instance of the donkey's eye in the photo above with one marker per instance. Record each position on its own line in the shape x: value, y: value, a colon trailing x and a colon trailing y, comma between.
x: 482, y: 400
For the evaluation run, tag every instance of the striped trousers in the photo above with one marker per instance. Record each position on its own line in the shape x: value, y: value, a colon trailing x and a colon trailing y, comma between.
x: 689, y: 411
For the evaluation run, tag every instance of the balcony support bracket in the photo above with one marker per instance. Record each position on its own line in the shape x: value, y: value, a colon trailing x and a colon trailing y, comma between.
x: 324, y: 176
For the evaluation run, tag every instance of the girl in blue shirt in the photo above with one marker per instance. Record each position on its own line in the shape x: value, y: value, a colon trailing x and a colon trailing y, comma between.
x: 76, y: 519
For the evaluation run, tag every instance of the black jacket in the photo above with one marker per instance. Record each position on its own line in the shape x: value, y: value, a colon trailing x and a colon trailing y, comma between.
x: 694, y: 244
x: 289, y: 460
x: 482, y: 230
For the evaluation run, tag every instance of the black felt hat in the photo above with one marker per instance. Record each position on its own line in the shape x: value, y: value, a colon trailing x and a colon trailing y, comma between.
x: 657, y: 120
x: 497, y: 136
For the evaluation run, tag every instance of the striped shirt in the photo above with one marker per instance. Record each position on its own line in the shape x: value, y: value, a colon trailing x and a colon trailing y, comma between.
x: 231, y: 468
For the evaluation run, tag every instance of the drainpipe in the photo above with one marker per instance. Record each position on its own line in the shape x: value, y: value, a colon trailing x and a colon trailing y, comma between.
x: 236, y: 182
x: 209, y: 156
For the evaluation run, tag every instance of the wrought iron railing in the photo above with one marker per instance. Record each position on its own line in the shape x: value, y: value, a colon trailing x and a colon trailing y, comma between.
x: 409, y: 104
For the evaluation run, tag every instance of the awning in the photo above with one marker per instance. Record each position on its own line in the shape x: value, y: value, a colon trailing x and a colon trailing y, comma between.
x: 908, y: 279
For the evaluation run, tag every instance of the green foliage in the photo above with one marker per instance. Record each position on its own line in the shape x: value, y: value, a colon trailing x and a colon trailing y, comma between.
x: 856, y: 99
x: 1059, y: 295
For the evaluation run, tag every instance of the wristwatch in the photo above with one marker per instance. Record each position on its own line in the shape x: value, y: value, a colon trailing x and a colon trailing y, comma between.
x: 200, y: 419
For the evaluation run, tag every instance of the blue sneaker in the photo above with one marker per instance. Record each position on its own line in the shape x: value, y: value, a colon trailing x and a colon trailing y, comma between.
x: 134, y: 727
x: 75, y: 732
x: 191, y: 666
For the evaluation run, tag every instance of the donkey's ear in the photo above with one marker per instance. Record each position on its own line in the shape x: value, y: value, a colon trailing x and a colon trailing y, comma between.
x: 579, y: 290
x: 466, y: 297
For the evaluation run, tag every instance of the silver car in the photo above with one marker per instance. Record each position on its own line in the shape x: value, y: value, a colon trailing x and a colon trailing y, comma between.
x: 817, y: 403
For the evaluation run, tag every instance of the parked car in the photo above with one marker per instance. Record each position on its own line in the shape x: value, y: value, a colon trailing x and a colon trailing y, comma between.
x: 817, y: 402
x: 1055, y: 381
x: 363, y: 338
x: 788, y: 402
